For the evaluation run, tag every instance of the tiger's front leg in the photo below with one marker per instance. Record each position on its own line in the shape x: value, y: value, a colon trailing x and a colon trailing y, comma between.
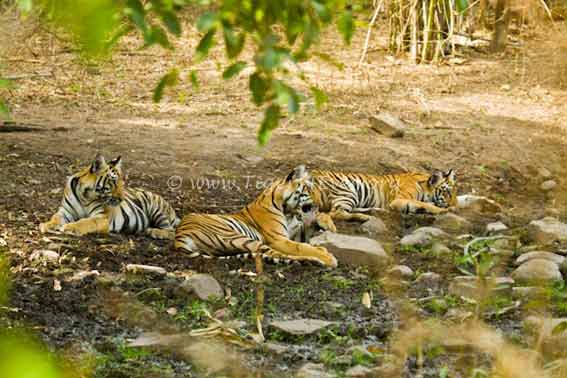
x: 413, y: 206
x: 325, y: 222
x: 343, y: 215
x: 53, y: 224
x: 302, y: 252
x: 93, y: 225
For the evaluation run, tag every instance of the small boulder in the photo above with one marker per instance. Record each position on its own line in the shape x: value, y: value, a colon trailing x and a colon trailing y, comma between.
x: 430, y: 279
x: 388, y: 124
x: 353, y: 250
x: 423, y: 236
x: 557, y: 259
x: 469, y: 286
x: 547, y: 231
x: 276, y: 348
x: 439, y: 249
x: 401, y: 272
x: 373, y: 227
x: 453, y: 223
x: 528, y: 293
x: 311, y: 370
x: 496, y: 227
x: 44, y: 255
x: 548, y: 185
x: 300, y: 327
x: 204, y: 286
x: 359, y: 371
x: 145, y: 269
x: 478, y: 203
x: 537, y: 271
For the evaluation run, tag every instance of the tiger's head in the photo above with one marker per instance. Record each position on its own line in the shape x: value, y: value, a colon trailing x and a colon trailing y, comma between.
x: 441, y: 188
x: 102, y: 181
x: 295, y: 190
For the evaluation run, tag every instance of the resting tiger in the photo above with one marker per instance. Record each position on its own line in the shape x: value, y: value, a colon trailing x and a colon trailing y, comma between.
x: 264, y: 227
x: 96, y: 200
x: 348, y: 196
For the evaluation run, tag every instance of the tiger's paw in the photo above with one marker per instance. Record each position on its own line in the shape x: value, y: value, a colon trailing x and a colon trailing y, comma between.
x: 160, y: 233
x: 325, y: 222
x: 72, y: 229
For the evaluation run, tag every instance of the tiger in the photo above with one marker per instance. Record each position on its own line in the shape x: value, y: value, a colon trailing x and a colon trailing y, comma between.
x: 349, y: 196
x: 263, y: 227
x: 96, y: 200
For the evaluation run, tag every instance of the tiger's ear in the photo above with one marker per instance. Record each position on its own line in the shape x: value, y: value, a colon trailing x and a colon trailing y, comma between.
x: 451, y: 176
x: 117, y: 163
x: 97, y: 164
x: 297, y: 173
x: 435, y: 178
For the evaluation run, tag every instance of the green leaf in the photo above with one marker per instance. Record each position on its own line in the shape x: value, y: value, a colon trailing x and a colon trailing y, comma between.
x: 159, y: 36
x: 5, y: 83
x: 462, y: 5
x: 270, y: 122
x: 322, y: 11
x: 205, y: 44
x: 346, y: 26
x: 194, y: 80
x: 25, y: 5
x: 206, y: 22
x: 4, y: 110
x: 286, y: 95
x: 258, y: 87
x: 233, y: 70
x: 559, y: 328
x: 135, y: 10
x: 167, y: 80
x: 171, y: 22
x: 233, y: 42
x: 444, y: 372
x: 320, y: 97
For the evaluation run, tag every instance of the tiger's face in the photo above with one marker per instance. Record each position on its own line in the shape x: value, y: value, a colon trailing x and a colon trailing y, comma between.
x: 103, y: 181
x: 442, y: 189
x: 295, y: 191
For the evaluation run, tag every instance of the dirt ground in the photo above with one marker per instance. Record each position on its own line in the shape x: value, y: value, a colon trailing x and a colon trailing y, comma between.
x: 497, y: 120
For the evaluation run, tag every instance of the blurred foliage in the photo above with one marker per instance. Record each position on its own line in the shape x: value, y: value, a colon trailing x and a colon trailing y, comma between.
x: 281, y: 34
x: 21, y: 356
x: 4, y: 113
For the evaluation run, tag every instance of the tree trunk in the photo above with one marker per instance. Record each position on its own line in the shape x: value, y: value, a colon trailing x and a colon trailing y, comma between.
x: 500, y: 36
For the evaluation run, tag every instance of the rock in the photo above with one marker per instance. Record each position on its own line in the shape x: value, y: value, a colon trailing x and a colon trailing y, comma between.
x: 276, y: 348
x: 537, y: 271
x: 528, y: 293
x: 439, y: 249
x: 548, y: 185
x: 400, y: 272
x: 145, y: 269
x: 301, y: 327
x: 359, y: 371
x: 423, y: 237
x: 478, y: 203
x: 311, y: 370
x: 545, y: 173
x: 81, y: 275
x: 430, y: 279
x: 373, y: 227
x: 354, y: 250
x: 557, y: 259
x: 387, y: 370
x: 551, y: 332
x: 495, y: 227
x: 45, y: 255
x: 388, y: 124
x: 547, y: 231
x: 452, y: 223
x: 552, y: 212
x: 468, y: 286
x: 333, y: 308
x: 204, y: 286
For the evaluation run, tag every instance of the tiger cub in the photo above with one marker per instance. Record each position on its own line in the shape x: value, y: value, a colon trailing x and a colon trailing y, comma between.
x: 96, y: 200
x: 263, y: 227
x: 348, y: 196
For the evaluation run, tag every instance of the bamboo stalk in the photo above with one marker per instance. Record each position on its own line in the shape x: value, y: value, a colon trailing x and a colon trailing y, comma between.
x: 426, y: 50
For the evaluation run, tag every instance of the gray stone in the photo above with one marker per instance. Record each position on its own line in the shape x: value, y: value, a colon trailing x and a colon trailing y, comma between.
x: 145, y: 269
x: 359, y: 371
x: 423, y: 237
x: 453, y: 223
x: 547, y: 231
x: 387, y: 370
x: 496, y: 227
x: 469, y: 286
x: 528, y: 293
x: 387, y: 124
x: 428, y: 279
x: 400, y: 272
x: 537, y: 271
x: 354, y: 250
x: 557, y: 259
x: 548, y: 185
x: 478, y: 203
x: 439, y: 249
x: 204, y: 286
x: 333, y: 308
x: 373, y: 227
x: 301, y: 327
x: 45, y: 255
x: 276, y: 348
x: 311, y: 370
